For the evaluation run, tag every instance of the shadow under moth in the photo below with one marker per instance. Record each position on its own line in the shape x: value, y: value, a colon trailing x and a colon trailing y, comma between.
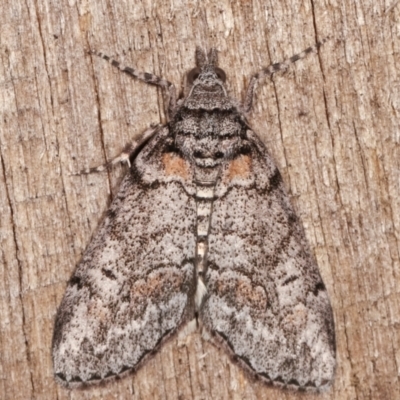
x: 201, y: 228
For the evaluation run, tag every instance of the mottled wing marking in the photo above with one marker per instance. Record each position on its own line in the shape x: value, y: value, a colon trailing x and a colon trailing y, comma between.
x: 266, y: 301
x: 135, y: 283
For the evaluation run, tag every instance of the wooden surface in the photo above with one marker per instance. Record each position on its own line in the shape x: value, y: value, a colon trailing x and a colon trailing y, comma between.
x: 331, y: 122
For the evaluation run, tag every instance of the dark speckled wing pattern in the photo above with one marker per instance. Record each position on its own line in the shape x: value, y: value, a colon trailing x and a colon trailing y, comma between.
x: 266, y: 301
x: 134, y: 285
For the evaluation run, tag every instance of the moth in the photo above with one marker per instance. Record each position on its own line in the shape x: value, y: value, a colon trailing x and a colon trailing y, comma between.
x: 201, y: 228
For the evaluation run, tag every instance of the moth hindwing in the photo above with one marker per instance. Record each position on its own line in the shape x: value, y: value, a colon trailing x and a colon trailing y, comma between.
x: 201, y: 227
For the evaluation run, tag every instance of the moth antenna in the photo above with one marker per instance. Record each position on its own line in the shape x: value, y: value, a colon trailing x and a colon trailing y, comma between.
x: 213, y: 57
x: 271, y: 69
x: 201, y: 57
x: 168, y: 88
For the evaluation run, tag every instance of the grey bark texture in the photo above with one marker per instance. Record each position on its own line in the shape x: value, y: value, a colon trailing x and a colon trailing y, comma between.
x: 331, y: 122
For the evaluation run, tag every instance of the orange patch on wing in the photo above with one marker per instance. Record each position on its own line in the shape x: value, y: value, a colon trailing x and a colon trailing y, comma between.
x: 240, y: 167
x: 249, y: 295
x: 157, y: 284
x: 243, y: 291
x: 175, y: 165
x: 297, y: 319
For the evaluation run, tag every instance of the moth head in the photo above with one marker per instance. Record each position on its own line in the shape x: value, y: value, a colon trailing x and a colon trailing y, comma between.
x: 206, y: 82
x: 206, y: 67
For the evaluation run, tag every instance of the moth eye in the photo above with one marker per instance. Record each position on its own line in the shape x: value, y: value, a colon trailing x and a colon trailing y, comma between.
x: 221, y: 74
x: 193, y: 75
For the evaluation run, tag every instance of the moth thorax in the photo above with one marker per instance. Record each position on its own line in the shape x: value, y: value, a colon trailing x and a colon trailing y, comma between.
x: 206, y: 175
x: 208, y: 138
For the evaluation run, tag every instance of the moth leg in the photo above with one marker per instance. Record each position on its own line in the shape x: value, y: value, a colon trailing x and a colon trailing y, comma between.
x: 127, y: 153
x: 271, y: 69
x: 168, y: 88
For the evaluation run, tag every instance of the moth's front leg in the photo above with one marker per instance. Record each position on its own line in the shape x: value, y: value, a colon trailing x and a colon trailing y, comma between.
x: 127, y: 153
